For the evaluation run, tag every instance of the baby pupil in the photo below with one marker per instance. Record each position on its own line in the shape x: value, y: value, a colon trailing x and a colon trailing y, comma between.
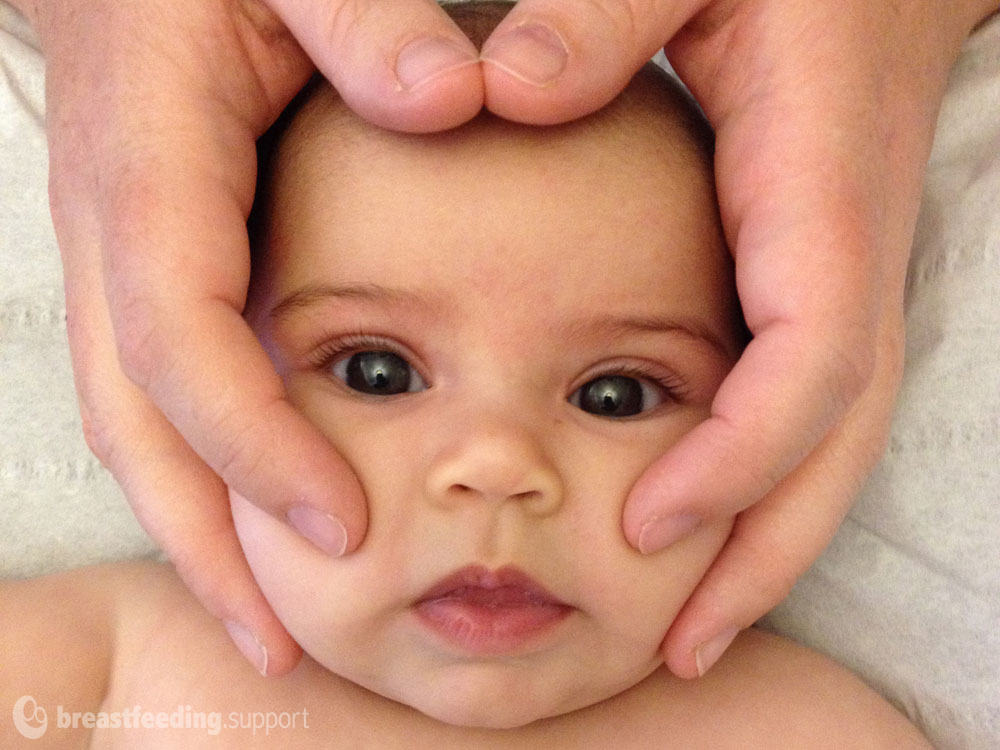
x: 382, y: 373
x: 612, y: 396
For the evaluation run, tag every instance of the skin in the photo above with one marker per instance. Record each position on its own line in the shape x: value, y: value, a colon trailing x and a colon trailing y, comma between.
x: 507, y: 468
x: 510, y: 266
x: 148, y: 644
x: 824, y: 112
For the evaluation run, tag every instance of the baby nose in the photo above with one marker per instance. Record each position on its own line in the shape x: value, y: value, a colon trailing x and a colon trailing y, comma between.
x: 496, y: 464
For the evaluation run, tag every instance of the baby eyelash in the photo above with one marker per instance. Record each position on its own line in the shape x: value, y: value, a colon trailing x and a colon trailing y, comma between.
x: 674, y: 386
x: 326, y: 354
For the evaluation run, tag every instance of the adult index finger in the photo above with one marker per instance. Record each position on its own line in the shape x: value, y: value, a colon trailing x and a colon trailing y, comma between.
x: 780, y: 401
x: 776, y: 540
x: 808, y: 275
x: 818, y: 186
x: 176, y: 270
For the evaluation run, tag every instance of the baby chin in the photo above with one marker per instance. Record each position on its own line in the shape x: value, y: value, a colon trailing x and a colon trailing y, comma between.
x: 506, y: 695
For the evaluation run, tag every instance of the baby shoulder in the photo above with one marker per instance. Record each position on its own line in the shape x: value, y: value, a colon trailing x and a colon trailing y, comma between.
x: 60, y: 633
x: 782, y: 695
x: 765, y: 693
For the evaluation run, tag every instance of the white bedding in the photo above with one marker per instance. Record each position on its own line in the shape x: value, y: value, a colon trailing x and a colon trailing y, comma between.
x: 908, y: 594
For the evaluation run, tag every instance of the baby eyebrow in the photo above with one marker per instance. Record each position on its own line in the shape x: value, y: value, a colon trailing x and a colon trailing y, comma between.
x: 612, y: 327
x: 314, y: 294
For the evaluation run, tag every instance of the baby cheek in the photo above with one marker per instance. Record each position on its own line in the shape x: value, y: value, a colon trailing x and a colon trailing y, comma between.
x: 604, y: 461
x: 636, y: 597
x: 367, y: 434
x: 328, y: 605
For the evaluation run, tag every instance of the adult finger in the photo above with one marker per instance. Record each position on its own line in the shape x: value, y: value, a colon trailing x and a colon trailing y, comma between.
x: 190, y: 350
x: 152, y: 143
x: 183, y: 506
x: 824, y: 115
x: 404, y: 65
x: 550, y: 61
x: 175, y: 162
x: 818, y: 171
x: 785, y: 394
x: 777, y: 539
x: 810, y: 275
x: 177, y: 498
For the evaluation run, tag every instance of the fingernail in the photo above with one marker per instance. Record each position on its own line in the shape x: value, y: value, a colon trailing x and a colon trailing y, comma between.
x: 251, y: 648
x: 429, y: 57
x: 322, y: 529
x: 709, y: 652
x: 532, y: 53
x: 663, y: 531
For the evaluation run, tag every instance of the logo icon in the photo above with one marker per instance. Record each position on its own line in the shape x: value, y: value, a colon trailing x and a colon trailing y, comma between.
x: 30, y: 718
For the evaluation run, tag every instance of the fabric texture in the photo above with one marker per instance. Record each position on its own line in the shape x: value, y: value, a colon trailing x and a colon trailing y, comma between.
x: 908, y: 593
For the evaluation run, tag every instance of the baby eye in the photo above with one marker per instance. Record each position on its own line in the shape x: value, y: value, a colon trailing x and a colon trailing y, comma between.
x: 617, y: 396
x: 379, y: 373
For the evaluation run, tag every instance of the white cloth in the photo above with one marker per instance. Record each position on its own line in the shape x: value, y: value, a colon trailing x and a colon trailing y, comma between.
x: 908, y: 594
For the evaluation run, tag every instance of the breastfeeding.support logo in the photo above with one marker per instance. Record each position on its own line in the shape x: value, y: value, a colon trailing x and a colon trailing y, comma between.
x: 31, y: 720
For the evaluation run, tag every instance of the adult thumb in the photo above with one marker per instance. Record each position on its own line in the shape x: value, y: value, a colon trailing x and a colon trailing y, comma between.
x: 551, y: 61
x: 403, y: 65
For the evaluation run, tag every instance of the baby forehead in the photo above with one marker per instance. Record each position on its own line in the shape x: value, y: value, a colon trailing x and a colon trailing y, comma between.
x: 498, y: 185
x: 502, y: 224
x: 516, y: 189
x: 629, y: 169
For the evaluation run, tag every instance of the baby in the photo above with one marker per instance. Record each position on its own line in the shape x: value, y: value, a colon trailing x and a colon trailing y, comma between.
x: 499, y: 328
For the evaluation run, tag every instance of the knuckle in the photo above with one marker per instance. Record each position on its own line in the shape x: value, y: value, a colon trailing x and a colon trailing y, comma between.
x: 622, y: 15
x: 241, y: 459
x: 754, y: 477
x: 876, y: 448
x: 98, y: 440
x: 850, y: 366
x: 345, y: 18
x: 776, y: 570
x: 92, y: 437
x: 96, y: 419
x: 109, y: 444
x: 200, y: 575
x: 264, y: 22
x: 244, y: 455
x: 261, y: 29
x: 632, y: 22
x: 139, y: 339
x: 626, y: 22
x: 132, y: 271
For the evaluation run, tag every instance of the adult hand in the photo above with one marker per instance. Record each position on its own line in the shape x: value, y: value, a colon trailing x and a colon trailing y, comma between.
x: 824, y: 112
x: 153, y: 111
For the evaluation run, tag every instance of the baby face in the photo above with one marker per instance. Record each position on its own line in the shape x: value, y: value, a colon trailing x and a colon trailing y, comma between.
x: 499, y: 329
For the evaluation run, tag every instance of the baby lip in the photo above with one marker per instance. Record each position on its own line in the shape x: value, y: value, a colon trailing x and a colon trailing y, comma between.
x: 486, y: 614
x: 506, y: 587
